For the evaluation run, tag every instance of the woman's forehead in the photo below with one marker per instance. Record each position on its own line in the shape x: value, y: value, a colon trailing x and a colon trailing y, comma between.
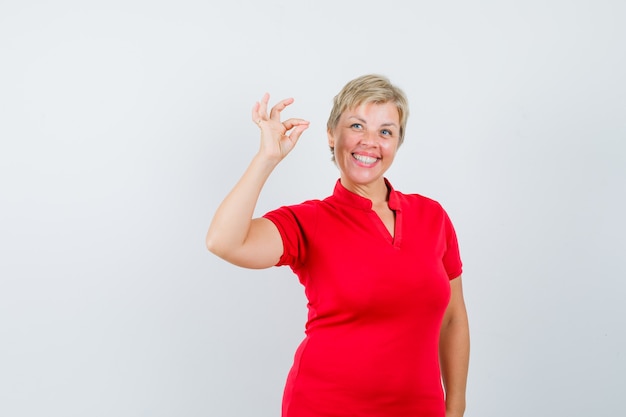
x: 373, y: 109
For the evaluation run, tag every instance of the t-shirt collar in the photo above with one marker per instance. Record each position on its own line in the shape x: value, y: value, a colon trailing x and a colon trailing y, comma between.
x: 343, y: 195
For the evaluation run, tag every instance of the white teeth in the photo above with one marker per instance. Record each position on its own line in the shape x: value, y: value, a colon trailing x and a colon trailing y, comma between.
x: 364, y: 159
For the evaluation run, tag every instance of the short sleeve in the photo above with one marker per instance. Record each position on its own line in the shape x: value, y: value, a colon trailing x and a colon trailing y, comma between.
x: 296, y: 224
x: 451, y: 257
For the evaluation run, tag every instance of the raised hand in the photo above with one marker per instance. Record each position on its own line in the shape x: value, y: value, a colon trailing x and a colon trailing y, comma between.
x: 277, y: 138
x: 233, y: 234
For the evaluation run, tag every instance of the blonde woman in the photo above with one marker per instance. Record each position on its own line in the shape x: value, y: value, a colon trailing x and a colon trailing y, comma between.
x: 387, y: 332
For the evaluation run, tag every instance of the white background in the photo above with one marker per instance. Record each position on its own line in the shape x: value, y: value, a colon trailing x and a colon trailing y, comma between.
x: 124, y: 123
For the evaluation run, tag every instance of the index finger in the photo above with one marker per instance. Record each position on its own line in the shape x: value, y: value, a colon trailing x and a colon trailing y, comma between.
x: 293, y: 122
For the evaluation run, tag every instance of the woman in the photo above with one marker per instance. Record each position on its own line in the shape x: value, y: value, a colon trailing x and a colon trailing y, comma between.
x: 387, y: 321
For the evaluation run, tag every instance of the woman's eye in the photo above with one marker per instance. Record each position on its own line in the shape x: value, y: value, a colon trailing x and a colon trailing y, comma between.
x: 356, y: 125
x: 386, y: 132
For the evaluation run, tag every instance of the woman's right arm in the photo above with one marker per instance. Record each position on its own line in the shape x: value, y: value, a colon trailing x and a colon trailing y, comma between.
x: 233, y: 235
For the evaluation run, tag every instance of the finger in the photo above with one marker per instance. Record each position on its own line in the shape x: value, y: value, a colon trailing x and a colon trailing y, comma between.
x: 293, y: 122
x: 278, y: 107
x: 255, y: 112
x: 259, y: 110
x: 297, y: 131
x: 263, y: 106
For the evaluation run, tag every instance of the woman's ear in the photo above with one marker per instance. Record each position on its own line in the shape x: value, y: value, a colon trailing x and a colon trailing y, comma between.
x: 331, y: 138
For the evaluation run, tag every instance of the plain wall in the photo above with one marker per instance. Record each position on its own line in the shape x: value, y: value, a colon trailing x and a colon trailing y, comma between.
x: 124, y: 123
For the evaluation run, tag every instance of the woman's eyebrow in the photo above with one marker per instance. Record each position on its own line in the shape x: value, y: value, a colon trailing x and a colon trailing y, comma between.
x: 364, y: 122
x: 357, y: 118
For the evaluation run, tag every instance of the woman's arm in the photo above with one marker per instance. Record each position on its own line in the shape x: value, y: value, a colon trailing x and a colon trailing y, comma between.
x: 233, y: 234
x: 454, y: 349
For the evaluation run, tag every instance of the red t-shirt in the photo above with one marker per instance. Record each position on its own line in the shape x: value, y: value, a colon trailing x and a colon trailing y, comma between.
x: 375, y: 305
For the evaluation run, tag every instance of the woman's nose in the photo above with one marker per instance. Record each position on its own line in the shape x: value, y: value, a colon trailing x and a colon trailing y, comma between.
x: 369, y: 138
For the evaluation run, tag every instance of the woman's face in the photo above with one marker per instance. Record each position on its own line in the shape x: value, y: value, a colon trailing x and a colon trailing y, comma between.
x: 365, y: 142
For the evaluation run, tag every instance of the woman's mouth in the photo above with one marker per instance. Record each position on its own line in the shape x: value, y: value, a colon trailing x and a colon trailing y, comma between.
x: 367, y: 160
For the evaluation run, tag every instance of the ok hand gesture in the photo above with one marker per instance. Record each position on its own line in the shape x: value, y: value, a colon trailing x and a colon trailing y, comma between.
x: 277, y: 138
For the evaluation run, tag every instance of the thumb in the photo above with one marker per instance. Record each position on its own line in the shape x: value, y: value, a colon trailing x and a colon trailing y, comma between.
x: 297, y: 131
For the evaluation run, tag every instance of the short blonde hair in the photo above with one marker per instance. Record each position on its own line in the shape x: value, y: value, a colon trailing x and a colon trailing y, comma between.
x: 366, y: 89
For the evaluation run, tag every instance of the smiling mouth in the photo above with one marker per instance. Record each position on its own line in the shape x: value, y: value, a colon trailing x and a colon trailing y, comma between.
x: 368, y: 160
